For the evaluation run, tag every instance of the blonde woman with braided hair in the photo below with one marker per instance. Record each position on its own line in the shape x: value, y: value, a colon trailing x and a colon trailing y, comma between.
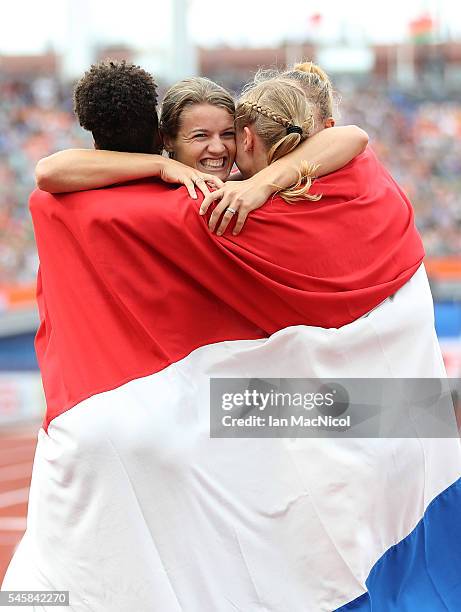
x: 283, y: 135
x: 282, y: 118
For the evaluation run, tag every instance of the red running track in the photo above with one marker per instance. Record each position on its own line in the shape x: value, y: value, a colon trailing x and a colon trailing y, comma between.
x: 17, y: 447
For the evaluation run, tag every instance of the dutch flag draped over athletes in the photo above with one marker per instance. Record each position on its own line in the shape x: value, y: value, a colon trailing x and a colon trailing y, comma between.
x: 133, y: 505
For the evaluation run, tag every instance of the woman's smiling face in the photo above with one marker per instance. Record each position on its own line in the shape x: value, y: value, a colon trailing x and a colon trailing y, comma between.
x: 205, y: 139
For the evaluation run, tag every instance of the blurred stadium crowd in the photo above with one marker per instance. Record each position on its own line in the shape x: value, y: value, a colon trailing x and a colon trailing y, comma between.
x: 36, y: 119
x: 419, y: 141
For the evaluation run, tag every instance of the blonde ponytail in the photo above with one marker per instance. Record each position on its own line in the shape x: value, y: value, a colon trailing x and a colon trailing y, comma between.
x: 300, y: 190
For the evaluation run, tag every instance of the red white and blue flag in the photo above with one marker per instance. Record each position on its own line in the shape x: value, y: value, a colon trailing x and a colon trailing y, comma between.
x: 133, y: 505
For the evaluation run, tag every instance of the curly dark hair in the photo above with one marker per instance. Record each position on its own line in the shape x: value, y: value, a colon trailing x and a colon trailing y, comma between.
x: 117, y: 102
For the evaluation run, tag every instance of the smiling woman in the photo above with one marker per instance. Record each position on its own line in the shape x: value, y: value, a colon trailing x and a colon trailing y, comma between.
x: 205, y: 140
x: 197, y: 125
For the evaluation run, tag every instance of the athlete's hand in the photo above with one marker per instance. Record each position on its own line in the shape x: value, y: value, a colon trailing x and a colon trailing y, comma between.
x: 240, y: 196
x: 173, y: 171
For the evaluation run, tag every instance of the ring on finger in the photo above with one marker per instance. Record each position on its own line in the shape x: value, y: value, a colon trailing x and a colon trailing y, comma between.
x: 231, y: 210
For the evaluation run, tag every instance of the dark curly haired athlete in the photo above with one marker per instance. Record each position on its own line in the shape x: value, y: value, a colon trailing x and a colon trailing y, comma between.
x: 117, y: 102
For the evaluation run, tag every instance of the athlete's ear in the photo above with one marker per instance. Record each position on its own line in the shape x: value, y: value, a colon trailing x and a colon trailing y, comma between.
x: 168, y: 144
x: 248, y: 140
x: 330, y: 122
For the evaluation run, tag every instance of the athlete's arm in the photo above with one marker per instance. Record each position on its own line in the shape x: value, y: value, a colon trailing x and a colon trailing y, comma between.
x: 80, y: 169
x: 326, y: 151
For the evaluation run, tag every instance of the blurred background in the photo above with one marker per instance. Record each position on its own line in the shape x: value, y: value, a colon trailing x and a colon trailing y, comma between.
x: 396, y: 67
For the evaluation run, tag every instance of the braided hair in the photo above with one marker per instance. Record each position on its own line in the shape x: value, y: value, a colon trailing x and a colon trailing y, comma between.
x: 272, y: 106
